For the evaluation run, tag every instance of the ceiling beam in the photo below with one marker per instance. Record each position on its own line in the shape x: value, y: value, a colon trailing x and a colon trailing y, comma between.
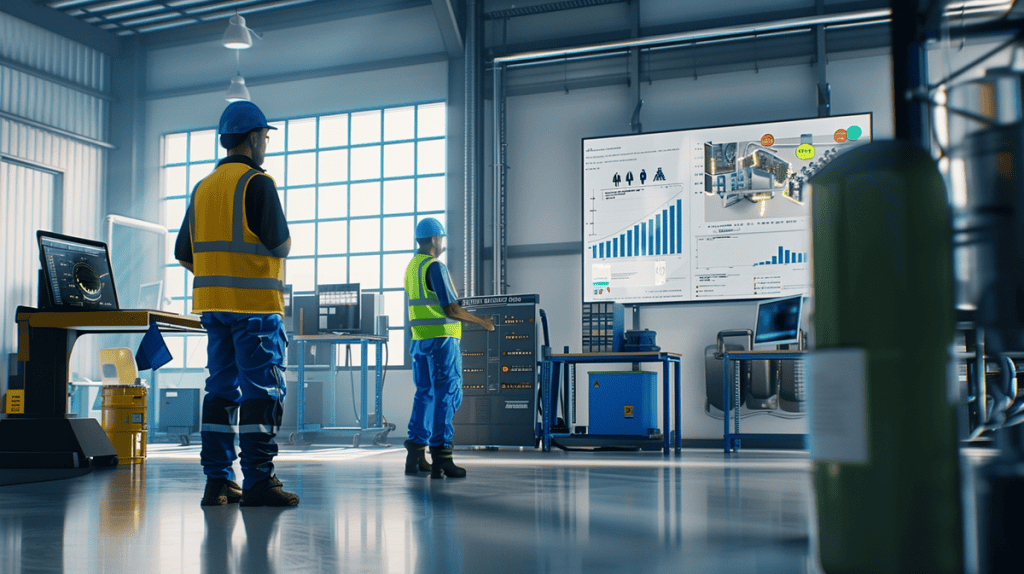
x: 449, y: 27
x: 59, y: 23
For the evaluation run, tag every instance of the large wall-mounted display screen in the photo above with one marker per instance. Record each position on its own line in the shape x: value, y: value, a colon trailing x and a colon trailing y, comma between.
x: 707, y: 214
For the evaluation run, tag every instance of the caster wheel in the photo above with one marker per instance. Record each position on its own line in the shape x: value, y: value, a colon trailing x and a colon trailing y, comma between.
x: 185, y: 440
x: 355, y: 441
x: 292, y: 438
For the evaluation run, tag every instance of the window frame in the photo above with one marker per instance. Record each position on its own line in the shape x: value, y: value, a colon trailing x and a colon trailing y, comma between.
x: 182, y: 303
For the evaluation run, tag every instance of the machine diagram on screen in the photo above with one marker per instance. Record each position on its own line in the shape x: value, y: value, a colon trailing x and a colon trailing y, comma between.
x: 747, y: 170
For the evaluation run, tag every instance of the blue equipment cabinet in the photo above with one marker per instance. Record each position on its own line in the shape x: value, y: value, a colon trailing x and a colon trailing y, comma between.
x: 623, y: 403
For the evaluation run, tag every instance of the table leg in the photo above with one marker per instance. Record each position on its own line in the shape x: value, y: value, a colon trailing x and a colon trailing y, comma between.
x: 362, y: 384
x: 726, y: 402
x: 300, y: 411
x: 377, y: 397
x: 545, y: 384
x: 678, y: 364
x: 665, y: 385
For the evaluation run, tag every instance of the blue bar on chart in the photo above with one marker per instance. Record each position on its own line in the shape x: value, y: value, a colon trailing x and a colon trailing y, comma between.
x: 664, y: 231
x: 785, y: 257
x: 657, y: 234
x: 661, y: 234
x: 679, y: 226
x: 672, y: 228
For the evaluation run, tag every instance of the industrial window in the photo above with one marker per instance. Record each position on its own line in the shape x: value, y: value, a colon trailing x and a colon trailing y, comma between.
x: 353, y: 186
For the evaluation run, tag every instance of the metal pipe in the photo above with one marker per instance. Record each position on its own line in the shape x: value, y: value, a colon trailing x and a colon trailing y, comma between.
x: 499, y: 167
x: 469, y: 255
x: 682, y: 37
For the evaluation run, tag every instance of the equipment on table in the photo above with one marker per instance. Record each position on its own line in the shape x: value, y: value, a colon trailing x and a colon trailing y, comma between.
x: 623, y: 403
x: 151, y: 295
x: 499, y: 373
x: 640, y: 342
x: 124, y: 405
x: 602, y: 327
x: 76, y: 274
x: 338, y: 307
x: 778, y: 321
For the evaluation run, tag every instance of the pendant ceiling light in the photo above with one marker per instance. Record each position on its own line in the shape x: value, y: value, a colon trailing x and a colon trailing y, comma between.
x: 237, y: 90
x: 237, y: 36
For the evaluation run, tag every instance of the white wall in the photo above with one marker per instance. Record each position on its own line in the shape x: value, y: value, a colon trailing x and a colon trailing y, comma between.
x: 544, y: 132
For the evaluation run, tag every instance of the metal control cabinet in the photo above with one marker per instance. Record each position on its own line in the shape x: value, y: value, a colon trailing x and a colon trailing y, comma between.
x: 499, y: 373
x: 623, y: 403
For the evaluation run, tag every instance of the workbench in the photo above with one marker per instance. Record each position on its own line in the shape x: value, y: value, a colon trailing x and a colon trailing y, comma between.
x: 43, y: 436
x: 330, y: 413
x: 548, y: 364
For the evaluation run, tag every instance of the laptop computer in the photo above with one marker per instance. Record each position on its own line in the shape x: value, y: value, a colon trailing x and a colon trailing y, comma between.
x: 76, y: 273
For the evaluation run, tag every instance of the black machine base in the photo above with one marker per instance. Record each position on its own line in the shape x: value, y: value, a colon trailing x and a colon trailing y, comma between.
x: 54, y: 443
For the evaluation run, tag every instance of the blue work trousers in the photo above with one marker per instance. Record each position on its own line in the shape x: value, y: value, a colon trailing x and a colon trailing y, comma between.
x: 244, y: 392
x: 437, y: 372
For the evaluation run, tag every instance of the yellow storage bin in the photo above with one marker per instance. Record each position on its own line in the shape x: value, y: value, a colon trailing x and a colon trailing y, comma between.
x: 124, y: 421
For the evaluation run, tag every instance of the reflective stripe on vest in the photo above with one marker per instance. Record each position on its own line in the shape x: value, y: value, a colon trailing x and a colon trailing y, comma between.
x: 238, y: 274
x: 426, y: 317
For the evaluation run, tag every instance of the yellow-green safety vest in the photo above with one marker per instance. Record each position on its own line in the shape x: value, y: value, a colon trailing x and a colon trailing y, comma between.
x: 234, y: 272
x: 426, y: 317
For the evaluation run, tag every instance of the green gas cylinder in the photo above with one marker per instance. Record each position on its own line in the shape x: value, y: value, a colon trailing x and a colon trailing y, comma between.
x: 883, y: 289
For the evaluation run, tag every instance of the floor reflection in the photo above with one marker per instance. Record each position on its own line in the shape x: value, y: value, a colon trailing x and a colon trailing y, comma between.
x: 517, y: 512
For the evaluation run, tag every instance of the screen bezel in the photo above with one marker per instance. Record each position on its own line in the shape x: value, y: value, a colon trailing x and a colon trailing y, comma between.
x: 583, y: 143
x: 40, y: 234
x: 799, y: 319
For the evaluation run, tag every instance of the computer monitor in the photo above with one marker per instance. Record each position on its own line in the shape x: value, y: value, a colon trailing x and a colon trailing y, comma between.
x: 150, y: 295
x: 778, y: 321
x: 77, y: 273
x: 339, y: 307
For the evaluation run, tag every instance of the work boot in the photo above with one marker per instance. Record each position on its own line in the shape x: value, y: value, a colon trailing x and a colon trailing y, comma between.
x: 221, y: 491
x: 441, y: 461
x: 268, y: 492
x: 415, y: 458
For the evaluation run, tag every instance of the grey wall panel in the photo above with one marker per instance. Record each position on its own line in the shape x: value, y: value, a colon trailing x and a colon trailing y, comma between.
x: 47, y: 52
x: 58, y: 106
x: 27, y: 197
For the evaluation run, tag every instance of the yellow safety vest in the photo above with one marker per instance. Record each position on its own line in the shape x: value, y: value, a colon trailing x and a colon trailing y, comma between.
x: 426, y: 317
x: 234, y: 272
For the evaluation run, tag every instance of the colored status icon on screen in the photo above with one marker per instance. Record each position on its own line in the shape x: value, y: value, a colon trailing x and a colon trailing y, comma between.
x: 767, y: 140
x: 853, y: 132
x: 805, y: 151
x: 840, y: 135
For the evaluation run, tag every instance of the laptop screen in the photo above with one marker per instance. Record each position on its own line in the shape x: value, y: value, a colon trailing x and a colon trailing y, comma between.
x: 77, y: 273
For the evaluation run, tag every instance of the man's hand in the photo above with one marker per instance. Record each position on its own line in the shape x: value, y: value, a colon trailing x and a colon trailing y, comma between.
x: 488, y: 323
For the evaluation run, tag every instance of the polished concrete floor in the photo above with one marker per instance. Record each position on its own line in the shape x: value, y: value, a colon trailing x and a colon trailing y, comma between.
x: 518, y: 511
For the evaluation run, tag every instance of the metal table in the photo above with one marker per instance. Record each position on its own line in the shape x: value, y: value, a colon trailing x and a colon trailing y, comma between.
x: 548, y: 362
x: 329, y: 387
x: 731, y: 400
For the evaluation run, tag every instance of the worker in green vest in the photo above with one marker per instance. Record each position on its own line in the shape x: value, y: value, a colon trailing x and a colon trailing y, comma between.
x: 435, y: 321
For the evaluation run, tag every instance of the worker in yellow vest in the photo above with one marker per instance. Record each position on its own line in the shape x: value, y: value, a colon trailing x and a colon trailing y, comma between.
x: 234, y: 239
x: 434, y: 319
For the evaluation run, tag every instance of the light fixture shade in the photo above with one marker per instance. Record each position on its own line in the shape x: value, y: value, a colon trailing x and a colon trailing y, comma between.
x: 237, y: 90
x: 237, y: 36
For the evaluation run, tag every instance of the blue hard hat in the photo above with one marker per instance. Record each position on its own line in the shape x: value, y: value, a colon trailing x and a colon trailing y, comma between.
x: 428, y: 228
x: 241, y: 118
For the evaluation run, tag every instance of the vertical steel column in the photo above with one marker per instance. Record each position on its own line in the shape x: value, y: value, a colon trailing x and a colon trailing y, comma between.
x: 470, y: 188
x: 910, y: 74
x: 498, y: 209
x: 824, y: 90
